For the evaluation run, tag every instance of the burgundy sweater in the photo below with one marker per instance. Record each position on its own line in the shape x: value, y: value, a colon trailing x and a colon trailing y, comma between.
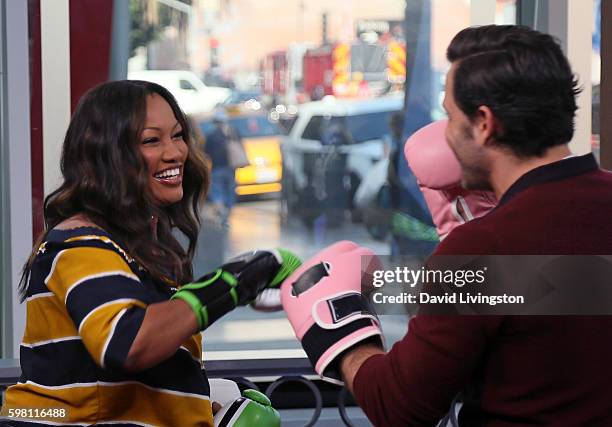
x: 513, y: 370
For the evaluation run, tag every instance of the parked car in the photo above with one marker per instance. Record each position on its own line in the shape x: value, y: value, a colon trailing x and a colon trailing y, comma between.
x: 261, y: 140
x: 191, y: 93
x: 328, y: 151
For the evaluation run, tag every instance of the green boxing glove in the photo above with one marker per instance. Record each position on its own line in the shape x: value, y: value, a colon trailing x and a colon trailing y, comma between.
x: 237, y: 282
x: 253, y: 409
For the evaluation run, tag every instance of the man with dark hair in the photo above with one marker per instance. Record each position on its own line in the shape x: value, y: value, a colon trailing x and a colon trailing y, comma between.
x: 510, y: 98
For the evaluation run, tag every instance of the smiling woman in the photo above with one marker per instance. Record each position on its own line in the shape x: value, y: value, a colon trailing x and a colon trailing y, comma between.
x: 164, y: 150
x: 99, y: 324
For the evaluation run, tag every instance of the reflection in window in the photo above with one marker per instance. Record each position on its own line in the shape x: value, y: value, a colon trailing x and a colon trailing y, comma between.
x: 275, y: 68
x: 596, y: 80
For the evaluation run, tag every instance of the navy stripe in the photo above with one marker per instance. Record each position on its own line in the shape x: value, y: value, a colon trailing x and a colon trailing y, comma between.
x: 93, y: 293
x: 44, y: 260
x: 54, y: 364
x: 61, y: 235
x: 123, y: 337
x: 68, y: 362
x: 40, y: 271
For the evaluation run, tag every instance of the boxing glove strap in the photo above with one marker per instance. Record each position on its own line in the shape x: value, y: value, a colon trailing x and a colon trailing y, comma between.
x: 338, y: 310
x: 233, y: 409
x: 318, y: 340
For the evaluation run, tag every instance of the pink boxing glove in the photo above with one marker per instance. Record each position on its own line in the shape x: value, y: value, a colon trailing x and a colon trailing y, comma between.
x: 325, y: 307
x: 439, y: 176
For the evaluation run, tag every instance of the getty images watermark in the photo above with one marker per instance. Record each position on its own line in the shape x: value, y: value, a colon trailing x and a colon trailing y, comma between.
x: 491, y: 285
x: 408, y: 277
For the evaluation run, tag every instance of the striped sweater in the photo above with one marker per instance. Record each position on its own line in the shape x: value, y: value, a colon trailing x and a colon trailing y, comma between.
x: 86, y: 301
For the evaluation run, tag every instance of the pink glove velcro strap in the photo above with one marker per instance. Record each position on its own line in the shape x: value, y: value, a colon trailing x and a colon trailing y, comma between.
x: 335, y: 311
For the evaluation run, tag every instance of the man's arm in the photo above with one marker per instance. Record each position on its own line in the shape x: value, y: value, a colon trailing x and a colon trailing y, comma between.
x: 415, y: 382
x: 353, y: 359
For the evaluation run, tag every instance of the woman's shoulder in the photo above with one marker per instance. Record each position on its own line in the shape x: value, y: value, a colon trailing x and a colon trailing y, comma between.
x: 78, y: 231
x: 74, y: 227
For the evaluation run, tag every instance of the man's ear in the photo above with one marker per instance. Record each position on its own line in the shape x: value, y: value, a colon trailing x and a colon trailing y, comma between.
x: 485, y: 125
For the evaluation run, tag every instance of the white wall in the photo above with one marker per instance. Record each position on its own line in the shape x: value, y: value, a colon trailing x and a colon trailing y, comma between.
x: 55, y: 69
x: 19, y: 183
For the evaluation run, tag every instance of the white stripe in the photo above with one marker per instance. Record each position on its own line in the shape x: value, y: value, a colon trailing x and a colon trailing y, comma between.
x: 105, y: 240
x: 455, y: 211
x: 59, y: 387
x: 39, y: 343
x: 99, y: 275
x: 117, y: 384
x: 466, y: 208
x: 238, y: 412
x: 106, y: 304
x: 110, y: 335
x: 41, y: 295
x: 163, y: 390
x: 53, y: 264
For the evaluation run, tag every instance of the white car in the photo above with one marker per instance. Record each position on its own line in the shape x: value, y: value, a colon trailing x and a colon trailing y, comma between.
x: 192, y: 95
x: 329, y: 150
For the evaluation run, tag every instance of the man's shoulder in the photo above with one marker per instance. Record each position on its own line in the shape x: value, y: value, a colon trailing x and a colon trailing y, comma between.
x: 476, y: 237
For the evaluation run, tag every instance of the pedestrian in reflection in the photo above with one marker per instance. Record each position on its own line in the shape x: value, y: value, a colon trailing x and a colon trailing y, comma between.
x: 411, y: 225
x: 223, y: 181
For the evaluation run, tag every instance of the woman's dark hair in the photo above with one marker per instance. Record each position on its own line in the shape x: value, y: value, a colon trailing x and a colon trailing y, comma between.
x: 106, y: 179
x: 523, y: 76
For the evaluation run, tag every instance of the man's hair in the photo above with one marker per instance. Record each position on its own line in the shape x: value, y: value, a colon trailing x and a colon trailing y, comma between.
x: 525, y: 79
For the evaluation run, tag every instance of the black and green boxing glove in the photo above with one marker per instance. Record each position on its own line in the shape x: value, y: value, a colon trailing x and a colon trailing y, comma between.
x: 237, y: 282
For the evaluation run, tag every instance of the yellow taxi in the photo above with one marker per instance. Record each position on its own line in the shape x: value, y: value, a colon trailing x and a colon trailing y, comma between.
x: 261, y: 140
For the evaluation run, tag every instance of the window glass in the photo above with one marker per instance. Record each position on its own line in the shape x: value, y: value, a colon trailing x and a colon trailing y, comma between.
x: 505, y: 12
x: 313, y: 128
x: 186, y: 85
x: 255, y: 126
x: 596, y: 79
x: 263, y: 73
x: 366, y: 127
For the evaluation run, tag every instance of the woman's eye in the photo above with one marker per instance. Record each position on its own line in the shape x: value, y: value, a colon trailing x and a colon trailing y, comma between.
x: 178, y: 135
x: 150, y: 140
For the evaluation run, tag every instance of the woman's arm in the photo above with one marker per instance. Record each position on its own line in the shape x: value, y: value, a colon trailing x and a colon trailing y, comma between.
x: 165, y: 327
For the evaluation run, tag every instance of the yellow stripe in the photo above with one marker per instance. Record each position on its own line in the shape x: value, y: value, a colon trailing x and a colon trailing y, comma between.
x: 154, y: 407
x: 97, y: 326
x: 57, y: 323
x: 123, y: 402
x: 103, y: 239
x: 81, y: 402
x: 73, y: 265
x: 194, y: 345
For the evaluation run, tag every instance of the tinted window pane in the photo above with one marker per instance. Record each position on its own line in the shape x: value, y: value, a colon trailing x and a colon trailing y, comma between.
x: 365, y: 127
x: 313, y: 128
x: 250, y: 127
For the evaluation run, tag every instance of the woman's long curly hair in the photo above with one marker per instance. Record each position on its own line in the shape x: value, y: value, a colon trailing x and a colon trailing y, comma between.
x: 106, y: 180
